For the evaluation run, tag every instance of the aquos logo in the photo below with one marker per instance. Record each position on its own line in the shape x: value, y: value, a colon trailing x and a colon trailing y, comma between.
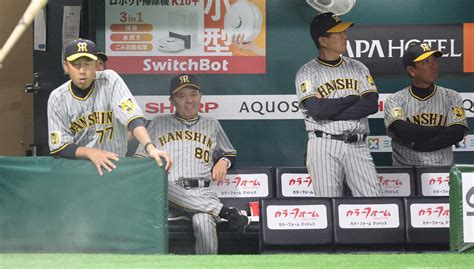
x: 468, y: 105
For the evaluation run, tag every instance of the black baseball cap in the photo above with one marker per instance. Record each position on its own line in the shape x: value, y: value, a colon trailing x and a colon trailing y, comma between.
x: 418, y: 51
x: 102, y: 56
x: 80, y: 48
x: 327, y: 23
x: 183, y: 80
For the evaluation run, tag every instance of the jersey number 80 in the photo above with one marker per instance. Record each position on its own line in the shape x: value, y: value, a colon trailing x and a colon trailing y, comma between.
x: 202, y: 154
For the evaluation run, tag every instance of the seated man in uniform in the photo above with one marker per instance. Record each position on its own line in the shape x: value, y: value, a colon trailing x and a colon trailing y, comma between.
x: 202, y: 153
x: 424, y: 120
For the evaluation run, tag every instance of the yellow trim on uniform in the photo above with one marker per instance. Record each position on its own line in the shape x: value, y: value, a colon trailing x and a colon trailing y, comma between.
x: 330, y: 65
x: 230, y: 155
x: 61, y: 148
x: 183, y: 86
x: 77, y: 97
x: 426, y: 55
x: 367, y: 91
x: 307, y: 96
x: 341, y: 27
x: 79, y: 55
x: 186, y: 120
x: 132, y: 118
x: 422, y: 99
x: 458, y: 123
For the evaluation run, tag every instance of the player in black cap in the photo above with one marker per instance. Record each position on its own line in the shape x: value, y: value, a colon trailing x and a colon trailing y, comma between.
x: 203, y: 153
x: 336, y: 95
x: 89, y: 115
x: 424, y: 119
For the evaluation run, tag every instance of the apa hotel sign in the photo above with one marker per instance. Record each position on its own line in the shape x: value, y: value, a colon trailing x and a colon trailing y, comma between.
x: 381, y: 47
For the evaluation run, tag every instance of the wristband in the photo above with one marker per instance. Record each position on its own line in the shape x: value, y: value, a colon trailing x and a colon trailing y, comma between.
x: 147, y: 144
x: 229, y: 163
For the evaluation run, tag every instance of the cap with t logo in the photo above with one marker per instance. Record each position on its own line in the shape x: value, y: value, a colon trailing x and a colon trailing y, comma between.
x: 80, y: 48
x: 181, y: 81
x: 417, y: 52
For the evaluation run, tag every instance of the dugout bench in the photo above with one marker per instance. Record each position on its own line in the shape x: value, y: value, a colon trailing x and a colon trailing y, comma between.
x: 242, y: 185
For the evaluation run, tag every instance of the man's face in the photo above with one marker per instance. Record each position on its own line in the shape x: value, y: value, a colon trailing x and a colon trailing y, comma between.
x: 81, y: 71
x: 425, y: 71
x: 187, y: 102
x: 336, y: 42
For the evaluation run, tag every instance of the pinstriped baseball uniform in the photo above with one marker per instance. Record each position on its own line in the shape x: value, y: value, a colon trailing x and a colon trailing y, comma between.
x: 194, y: 145
x: 97, y: 120
x: 331, y: 161
x: 442, y: 108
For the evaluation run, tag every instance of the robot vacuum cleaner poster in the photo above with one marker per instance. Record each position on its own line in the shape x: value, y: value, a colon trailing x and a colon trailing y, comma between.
x: 194, y: 36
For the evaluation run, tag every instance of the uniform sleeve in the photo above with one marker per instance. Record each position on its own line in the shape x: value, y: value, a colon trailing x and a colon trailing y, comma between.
x: 318, y: 108
x: 304, y: 85
x: 152, y: 130
x: 59, y: 134
x: 223, y: 148
x: 124, y: 106
x: 393, y: 110
x: 367, y: 83
x: 367, y: 105
x: 456, y: 113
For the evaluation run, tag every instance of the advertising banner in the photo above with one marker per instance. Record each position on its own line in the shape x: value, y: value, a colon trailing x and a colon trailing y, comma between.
x: 194, y: 36
x: 381, y: 47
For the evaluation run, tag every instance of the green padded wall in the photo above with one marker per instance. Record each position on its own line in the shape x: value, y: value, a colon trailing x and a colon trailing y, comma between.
x: 60, y: 205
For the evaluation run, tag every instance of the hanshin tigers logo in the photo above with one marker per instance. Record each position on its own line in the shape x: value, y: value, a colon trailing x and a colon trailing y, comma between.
x: 305, y: 86
x: 397, y: 112
x: 55, y: 138
x: 370, y: 80
x: 128, y: 106
x: 458, y: 112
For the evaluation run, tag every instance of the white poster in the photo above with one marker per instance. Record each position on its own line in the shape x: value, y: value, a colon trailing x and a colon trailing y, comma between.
x: 71, y: 24
x: 468, y: 206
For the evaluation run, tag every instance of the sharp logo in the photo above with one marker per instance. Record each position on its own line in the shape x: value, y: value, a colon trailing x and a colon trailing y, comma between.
x: 394, y: 48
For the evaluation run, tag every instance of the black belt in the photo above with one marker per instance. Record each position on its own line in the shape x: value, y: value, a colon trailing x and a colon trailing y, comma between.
x: 189, y: 183
x: 346, y: 137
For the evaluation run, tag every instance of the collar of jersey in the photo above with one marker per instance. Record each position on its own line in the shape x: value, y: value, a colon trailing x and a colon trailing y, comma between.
x: 330, y: 63
x: 73, y: 89
x: 187, y: 121
x: 419, y: 98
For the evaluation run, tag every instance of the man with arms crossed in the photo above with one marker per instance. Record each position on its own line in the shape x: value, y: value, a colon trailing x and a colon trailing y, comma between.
x: 336, y: 94
x: 424, y: 120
